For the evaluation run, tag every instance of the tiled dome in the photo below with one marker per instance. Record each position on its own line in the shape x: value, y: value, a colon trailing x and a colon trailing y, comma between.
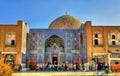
x: 66, y: 22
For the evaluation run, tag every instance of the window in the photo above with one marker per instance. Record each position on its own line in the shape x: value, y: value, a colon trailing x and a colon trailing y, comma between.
x: 10, y: 39
x: 96, y: 42
x: 98, y: 38
x: 113, y: 36
x: 113, y: 43
x: 12, y: 42
x: 96, y: 35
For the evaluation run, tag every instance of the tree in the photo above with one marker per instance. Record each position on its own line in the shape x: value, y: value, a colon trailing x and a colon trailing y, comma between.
x: 5, y: 69
x: 94, y: 59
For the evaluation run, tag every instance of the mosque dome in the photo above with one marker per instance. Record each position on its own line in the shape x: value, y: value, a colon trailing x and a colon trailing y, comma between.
x: 66, y: 22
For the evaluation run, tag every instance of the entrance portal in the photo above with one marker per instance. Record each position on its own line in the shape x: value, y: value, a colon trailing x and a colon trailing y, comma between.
x: 54, y: 46
x: 54, y: 60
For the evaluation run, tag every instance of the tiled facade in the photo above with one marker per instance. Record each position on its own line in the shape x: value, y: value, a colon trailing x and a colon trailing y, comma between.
x: 70, y: 46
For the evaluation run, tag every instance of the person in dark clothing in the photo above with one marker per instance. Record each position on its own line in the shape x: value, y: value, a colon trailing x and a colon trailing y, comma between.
x: 65, y: 67
x: 20, y: 67
x: 77, y: 66
x: 106, y: 69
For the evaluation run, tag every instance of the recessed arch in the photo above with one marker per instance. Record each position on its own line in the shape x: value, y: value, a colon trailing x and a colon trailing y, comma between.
x: 9, y: 58
x: 54, y: 40
x: 54, y: 49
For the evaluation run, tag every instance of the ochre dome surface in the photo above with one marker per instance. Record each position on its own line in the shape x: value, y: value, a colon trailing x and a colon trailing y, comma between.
x: 66, y: 22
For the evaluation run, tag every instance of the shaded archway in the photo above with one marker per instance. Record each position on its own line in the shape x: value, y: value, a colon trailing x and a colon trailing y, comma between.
x: 9, y: 59
x: 54, y: 48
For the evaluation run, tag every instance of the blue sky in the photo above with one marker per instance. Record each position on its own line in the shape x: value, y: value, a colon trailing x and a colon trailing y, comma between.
x: 40, y: 13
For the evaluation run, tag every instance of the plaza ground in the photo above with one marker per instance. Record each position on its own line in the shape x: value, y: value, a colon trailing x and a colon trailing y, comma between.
x: 68, y: 73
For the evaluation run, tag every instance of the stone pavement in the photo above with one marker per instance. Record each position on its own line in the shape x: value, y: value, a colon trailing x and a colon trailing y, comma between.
x: 67, y: 73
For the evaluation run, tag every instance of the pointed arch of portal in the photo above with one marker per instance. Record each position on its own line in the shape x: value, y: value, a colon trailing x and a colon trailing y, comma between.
x: 54, y: 50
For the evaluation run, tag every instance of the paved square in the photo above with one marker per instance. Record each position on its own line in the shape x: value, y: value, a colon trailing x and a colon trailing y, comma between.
x: 59, y: 74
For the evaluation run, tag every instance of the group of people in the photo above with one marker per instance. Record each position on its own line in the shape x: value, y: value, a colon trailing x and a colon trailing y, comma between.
x: 58, y: 67
x: 64, y: 67
x: 52, y: 67
x: 61, y: 67
x: 100, y: 66
x: 76, y: 67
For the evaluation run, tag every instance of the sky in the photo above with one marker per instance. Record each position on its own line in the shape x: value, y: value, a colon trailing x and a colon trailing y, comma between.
x: 40, y: 13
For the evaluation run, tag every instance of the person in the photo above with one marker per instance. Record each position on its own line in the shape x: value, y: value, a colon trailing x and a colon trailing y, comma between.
x: 36, y: 68
x: 77, y: 66
x: 93, y: 66
x: 99, y: 66
x: 43, y: 67
x: 106, y: 69
x: 80, y: 67
x: 74, y: 67
x: 66, y: 67
x: 96, y: 66
x: 87, y: 67
x: 40, y: 67
x: 103, y: 66
x: 60, y: 67
x: 50, y: 66
x: 20, y: 68
x: 63, y: 67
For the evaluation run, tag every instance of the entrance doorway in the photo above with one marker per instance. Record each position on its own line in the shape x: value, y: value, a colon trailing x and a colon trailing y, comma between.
x: 54, y: 60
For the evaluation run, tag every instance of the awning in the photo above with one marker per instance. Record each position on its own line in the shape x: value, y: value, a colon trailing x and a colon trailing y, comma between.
x: 94, y: 54
x: 8, y: 52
